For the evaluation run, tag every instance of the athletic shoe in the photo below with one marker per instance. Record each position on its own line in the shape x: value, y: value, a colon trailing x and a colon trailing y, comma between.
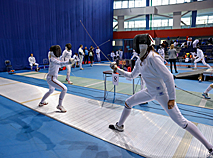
x: 206, y: 96
x: 42, y: 104
x: 61, y: 108
x: 210, y: 153
x: 81, y: 68
x: 116, y: 127
x: 69, y: 82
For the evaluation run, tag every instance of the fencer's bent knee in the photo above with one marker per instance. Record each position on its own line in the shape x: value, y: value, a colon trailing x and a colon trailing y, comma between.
x: 65, y: 89
x: 127, y: 106
x: 51, y: 91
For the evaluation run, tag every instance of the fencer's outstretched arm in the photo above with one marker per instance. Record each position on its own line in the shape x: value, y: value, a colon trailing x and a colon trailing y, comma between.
x: 130, y: 75
x: 59, y: 62
x: 162, y: 71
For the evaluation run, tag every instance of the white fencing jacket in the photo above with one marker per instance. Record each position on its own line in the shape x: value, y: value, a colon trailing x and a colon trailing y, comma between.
x: 200, y: 54
x: 31, y: 60
x: 66, y: 55
x: 157, y: 77
x: 55, y: 64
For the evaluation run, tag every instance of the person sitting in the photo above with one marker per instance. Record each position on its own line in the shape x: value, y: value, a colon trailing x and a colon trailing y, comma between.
x: 32, y: 62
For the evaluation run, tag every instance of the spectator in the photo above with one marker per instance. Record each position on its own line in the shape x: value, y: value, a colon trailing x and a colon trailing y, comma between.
x: 86, y: 57
x: 172, y: 57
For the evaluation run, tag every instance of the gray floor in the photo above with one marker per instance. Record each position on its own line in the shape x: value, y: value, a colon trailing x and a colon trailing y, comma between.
x: 148, y: 134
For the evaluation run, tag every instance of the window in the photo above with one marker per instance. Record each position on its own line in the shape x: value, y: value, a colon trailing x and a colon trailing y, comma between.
x: 165, y: 2
x: 186, y: 21
x: 170, y: 22
x: 180, y: 1
x: 155, y: 2
x: 140, y: 3
x: 164, y: 22
x: 126, y: 24
x: 125, y: 4
x: 172, y: 1
x: 139, y: 24
x: 210, y: 19
x: 131, y: 24
x: 156, y: 23
x: 201, y: 20
x: 117, y: 4
x: 113, y: 43
x: 131, y: 3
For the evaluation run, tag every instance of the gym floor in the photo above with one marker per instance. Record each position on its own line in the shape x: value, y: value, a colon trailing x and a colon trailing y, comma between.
x: 28, y: 133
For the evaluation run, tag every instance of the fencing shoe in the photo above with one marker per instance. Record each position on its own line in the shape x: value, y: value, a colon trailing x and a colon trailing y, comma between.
x: 42, y: 104
x: 61, y: 108
x: 116, y: 127
x: 210, y: 155
x: 206, y: 96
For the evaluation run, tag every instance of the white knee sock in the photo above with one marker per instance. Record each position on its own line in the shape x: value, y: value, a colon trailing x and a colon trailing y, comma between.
x: 45, y: 97
x: 209, y: 88
x: 61, y: 97
x: 197, y: 134
x: 124, y: 115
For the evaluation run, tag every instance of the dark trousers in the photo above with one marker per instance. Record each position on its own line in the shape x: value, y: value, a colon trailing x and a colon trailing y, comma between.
x: 86, y: 58
x: 91, y: 59
x: 173, y: 61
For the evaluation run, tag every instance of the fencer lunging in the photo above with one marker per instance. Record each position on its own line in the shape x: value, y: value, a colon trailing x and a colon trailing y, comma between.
x: 160, y: 86
x: 55, y: 64
x: 200, y: 57
x: 66, y: 55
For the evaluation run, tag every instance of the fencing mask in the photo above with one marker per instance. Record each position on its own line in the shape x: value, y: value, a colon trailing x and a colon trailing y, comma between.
x: 141, y: 43
x: 68, y: 46
x: 56, y: 49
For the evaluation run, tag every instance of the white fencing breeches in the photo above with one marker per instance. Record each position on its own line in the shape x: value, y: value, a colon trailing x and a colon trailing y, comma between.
x: 54, y: 83
x: 68, y: 71
x: 99, y: 57
x: 81, y: 57
x: 203, y: 61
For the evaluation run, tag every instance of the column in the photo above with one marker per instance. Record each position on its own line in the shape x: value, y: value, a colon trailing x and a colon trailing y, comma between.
x: 147, y: 16
x: 120, y: 23
x: 176, y: 20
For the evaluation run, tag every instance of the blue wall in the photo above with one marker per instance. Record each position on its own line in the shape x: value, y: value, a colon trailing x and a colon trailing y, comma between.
x: 32, y: 26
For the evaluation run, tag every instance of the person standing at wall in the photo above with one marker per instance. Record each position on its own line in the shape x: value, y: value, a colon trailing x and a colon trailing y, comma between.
x: 98, y: 53
x: 86, y: 57
x: 91, y: 55
x: 81, y: 56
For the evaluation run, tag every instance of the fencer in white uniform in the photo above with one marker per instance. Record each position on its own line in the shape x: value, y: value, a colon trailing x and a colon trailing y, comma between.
x: 160, y: 86
x: 32, y: 61
x: 161, y: 52
x: 134, y: 54
x: 98, y: 53
x: 66, y: 55
x: 54, y: 65
x: 194, y: 44
x: 112, y: 55
x: 81, y: 56
x: 200, y: 57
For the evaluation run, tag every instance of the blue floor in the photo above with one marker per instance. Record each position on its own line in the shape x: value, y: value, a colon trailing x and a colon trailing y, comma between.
x: 26, y: 133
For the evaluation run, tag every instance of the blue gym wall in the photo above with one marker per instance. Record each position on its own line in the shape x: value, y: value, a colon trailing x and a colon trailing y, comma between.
x: 32, y: 26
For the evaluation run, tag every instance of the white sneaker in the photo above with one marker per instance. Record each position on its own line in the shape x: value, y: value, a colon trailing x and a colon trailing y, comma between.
x: 69, y: 82
x: 61, y: 108
x: 210, y: 155
x: 116, y: 127
x: 42, y: 104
